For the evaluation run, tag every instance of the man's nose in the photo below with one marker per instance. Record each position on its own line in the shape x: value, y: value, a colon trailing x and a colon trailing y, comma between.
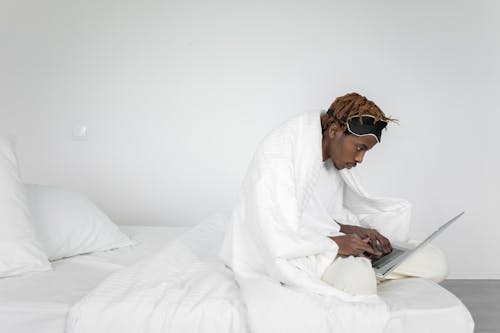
x: 359, y: 157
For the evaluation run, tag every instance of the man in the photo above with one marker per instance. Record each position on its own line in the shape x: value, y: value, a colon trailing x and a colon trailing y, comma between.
x: 303, y: 218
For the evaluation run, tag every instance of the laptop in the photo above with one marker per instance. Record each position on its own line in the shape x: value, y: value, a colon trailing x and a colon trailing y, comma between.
x: 389, y: 262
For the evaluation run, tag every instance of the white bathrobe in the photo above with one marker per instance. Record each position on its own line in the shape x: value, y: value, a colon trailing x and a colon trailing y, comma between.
x: 270, y: 236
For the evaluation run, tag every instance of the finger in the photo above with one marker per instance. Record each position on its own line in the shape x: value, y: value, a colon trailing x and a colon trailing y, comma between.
x: 388, y: 244
x: 367, y: 248
x: 383, y: 241
x: 377, y: 245
x: 375, y: 250
x: 361, y: 253
x: 373, y: 234
x: 385, y: 244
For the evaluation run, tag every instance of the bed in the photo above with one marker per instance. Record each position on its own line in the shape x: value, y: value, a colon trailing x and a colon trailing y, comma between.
x: 66, y: 267
x: 40, y: 302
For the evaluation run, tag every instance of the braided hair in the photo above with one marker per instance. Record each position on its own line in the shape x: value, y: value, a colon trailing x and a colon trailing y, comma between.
x: 348, y: 106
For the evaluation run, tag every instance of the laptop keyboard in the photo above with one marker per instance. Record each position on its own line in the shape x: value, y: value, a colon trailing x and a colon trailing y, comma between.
x: 383, y: 260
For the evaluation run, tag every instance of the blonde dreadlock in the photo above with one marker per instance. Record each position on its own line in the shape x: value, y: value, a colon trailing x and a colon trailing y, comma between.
x: 350, y: 105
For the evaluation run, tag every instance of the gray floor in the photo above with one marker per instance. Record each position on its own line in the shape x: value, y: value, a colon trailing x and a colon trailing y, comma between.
x: 482, y: 298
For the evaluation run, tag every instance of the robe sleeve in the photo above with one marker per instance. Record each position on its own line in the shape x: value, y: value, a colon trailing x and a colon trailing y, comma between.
x: 390, y: 216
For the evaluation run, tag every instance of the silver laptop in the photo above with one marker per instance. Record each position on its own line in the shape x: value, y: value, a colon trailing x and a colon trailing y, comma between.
x: 386, y: 264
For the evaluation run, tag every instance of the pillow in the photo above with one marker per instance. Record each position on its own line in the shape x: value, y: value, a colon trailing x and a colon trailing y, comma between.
x: 19, y: 250
x: 67, y: 223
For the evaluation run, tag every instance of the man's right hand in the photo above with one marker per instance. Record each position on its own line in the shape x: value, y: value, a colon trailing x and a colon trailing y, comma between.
x: 353, y: 245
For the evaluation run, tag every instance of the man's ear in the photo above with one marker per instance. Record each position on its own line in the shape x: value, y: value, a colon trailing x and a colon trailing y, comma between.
x: 334, y: 128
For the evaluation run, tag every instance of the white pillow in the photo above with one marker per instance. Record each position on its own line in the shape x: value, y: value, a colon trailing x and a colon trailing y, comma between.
x: 67, y: 223
x: 19, y: 250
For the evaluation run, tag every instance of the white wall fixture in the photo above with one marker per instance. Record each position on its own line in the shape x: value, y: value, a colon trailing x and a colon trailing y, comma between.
x: 79, y: 133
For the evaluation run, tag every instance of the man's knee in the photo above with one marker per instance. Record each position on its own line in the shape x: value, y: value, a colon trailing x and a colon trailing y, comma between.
x: 353, y: 275
x: 428, y: 263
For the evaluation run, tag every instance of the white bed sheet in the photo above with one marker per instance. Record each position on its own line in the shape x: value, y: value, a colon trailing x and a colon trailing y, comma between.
x: 39, y: 302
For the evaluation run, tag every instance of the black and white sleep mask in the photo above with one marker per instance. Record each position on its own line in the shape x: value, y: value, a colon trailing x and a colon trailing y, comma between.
x: 368, y: 127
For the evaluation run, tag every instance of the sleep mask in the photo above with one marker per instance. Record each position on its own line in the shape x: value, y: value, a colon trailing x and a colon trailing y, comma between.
x: 368, y: 126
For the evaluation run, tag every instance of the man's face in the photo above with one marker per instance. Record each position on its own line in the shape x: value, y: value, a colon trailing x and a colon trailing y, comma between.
x: 347, y: 150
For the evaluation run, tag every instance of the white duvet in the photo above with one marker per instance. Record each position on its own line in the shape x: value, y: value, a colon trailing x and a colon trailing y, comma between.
x: 186, y: 288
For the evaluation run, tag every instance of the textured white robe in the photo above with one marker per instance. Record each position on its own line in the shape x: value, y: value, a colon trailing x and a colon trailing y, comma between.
x: 268, y: 241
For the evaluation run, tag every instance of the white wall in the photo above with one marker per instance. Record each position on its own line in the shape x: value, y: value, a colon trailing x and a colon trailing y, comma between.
x: 177, y: 94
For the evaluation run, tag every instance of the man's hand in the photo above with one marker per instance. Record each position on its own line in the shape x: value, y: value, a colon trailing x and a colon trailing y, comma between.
x: 376, y: 240
x: 353, y: 245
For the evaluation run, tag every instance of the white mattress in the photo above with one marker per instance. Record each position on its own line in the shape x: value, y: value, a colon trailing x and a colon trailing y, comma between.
x: 419, y: 305
x: 39, y: 302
